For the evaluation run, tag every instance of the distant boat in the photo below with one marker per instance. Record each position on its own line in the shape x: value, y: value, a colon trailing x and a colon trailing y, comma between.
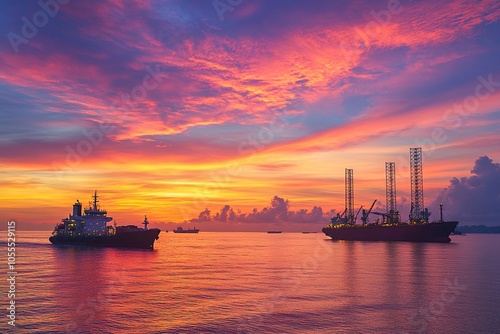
x: 273, y: 231
x: 189, y: 230
x: 308, y: 232
x: 458, y: 233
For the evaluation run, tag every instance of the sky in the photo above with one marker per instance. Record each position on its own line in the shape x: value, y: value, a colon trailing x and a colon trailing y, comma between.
x: 243, y: 115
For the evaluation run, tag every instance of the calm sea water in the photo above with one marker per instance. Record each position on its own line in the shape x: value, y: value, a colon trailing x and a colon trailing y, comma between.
x: 259, y: 283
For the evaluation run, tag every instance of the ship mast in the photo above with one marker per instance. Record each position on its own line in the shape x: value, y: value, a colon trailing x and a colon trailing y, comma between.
x: 95, y: 200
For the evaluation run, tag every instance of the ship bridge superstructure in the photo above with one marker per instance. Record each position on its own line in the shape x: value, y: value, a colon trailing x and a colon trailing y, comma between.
x: 93, y: 221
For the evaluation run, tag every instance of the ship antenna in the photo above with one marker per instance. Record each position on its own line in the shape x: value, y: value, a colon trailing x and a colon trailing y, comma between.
x: 145, y: 222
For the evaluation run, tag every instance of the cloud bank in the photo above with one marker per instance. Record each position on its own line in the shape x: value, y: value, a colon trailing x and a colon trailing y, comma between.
x: 474, y: 199
x: 278, y: 213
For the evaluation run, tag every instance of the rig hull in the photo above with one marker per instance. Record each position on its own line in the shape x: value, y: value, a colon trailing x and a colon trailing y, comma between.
x: 137, y: 239
x: 431, y: 232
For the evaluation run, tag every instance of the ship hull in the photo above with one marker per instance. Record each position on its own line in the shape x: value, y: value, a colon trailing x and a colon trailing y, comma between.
x: 432, y: 232
x: 135, y: 239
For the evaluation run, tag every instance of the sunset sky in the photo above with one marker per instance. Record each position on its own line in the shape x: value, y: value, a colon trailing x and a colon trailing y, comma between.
x: 171, y: 107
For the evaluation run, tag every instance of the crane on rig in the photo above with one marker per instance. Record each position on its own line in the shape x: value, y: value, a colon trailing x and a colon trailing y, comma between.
x: 339, y: 218
x: 364, y: 214
x: 357, y: 213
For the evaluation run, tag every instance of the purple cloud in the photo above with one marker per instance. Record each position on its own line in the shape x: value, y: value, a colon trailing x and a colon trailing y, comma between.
x: 277, y: 213
x: 475, y: 199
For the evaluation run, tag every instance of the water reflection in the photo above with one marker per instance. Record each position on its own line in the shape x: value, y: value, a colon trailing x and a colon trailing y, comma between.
x: 217, y: 282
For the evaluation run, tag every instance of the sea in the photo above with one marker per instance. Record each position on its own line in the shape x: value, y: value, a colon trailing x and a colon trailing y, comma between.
x: 250, y: 282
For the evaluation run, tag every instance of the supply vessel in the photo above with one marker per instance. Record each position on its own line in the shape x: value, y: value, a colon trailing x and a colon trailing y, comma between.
x: 91, y: 229
x: 189, y: 230
x: 391, y: 228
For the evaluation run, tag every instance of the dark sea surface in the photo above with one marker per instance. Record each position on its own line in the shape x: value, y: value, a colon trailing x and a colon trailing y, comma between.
x: 258, y: 283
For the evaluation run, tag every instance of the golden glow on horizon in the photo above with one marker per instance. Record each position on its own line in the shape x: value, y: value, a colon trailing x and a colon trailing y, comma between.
x: 172, y: 194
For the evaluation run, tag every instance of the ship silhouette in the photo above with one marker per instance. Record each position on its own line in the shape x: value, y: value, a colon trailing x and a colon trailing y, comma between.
x: 91, y: 229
